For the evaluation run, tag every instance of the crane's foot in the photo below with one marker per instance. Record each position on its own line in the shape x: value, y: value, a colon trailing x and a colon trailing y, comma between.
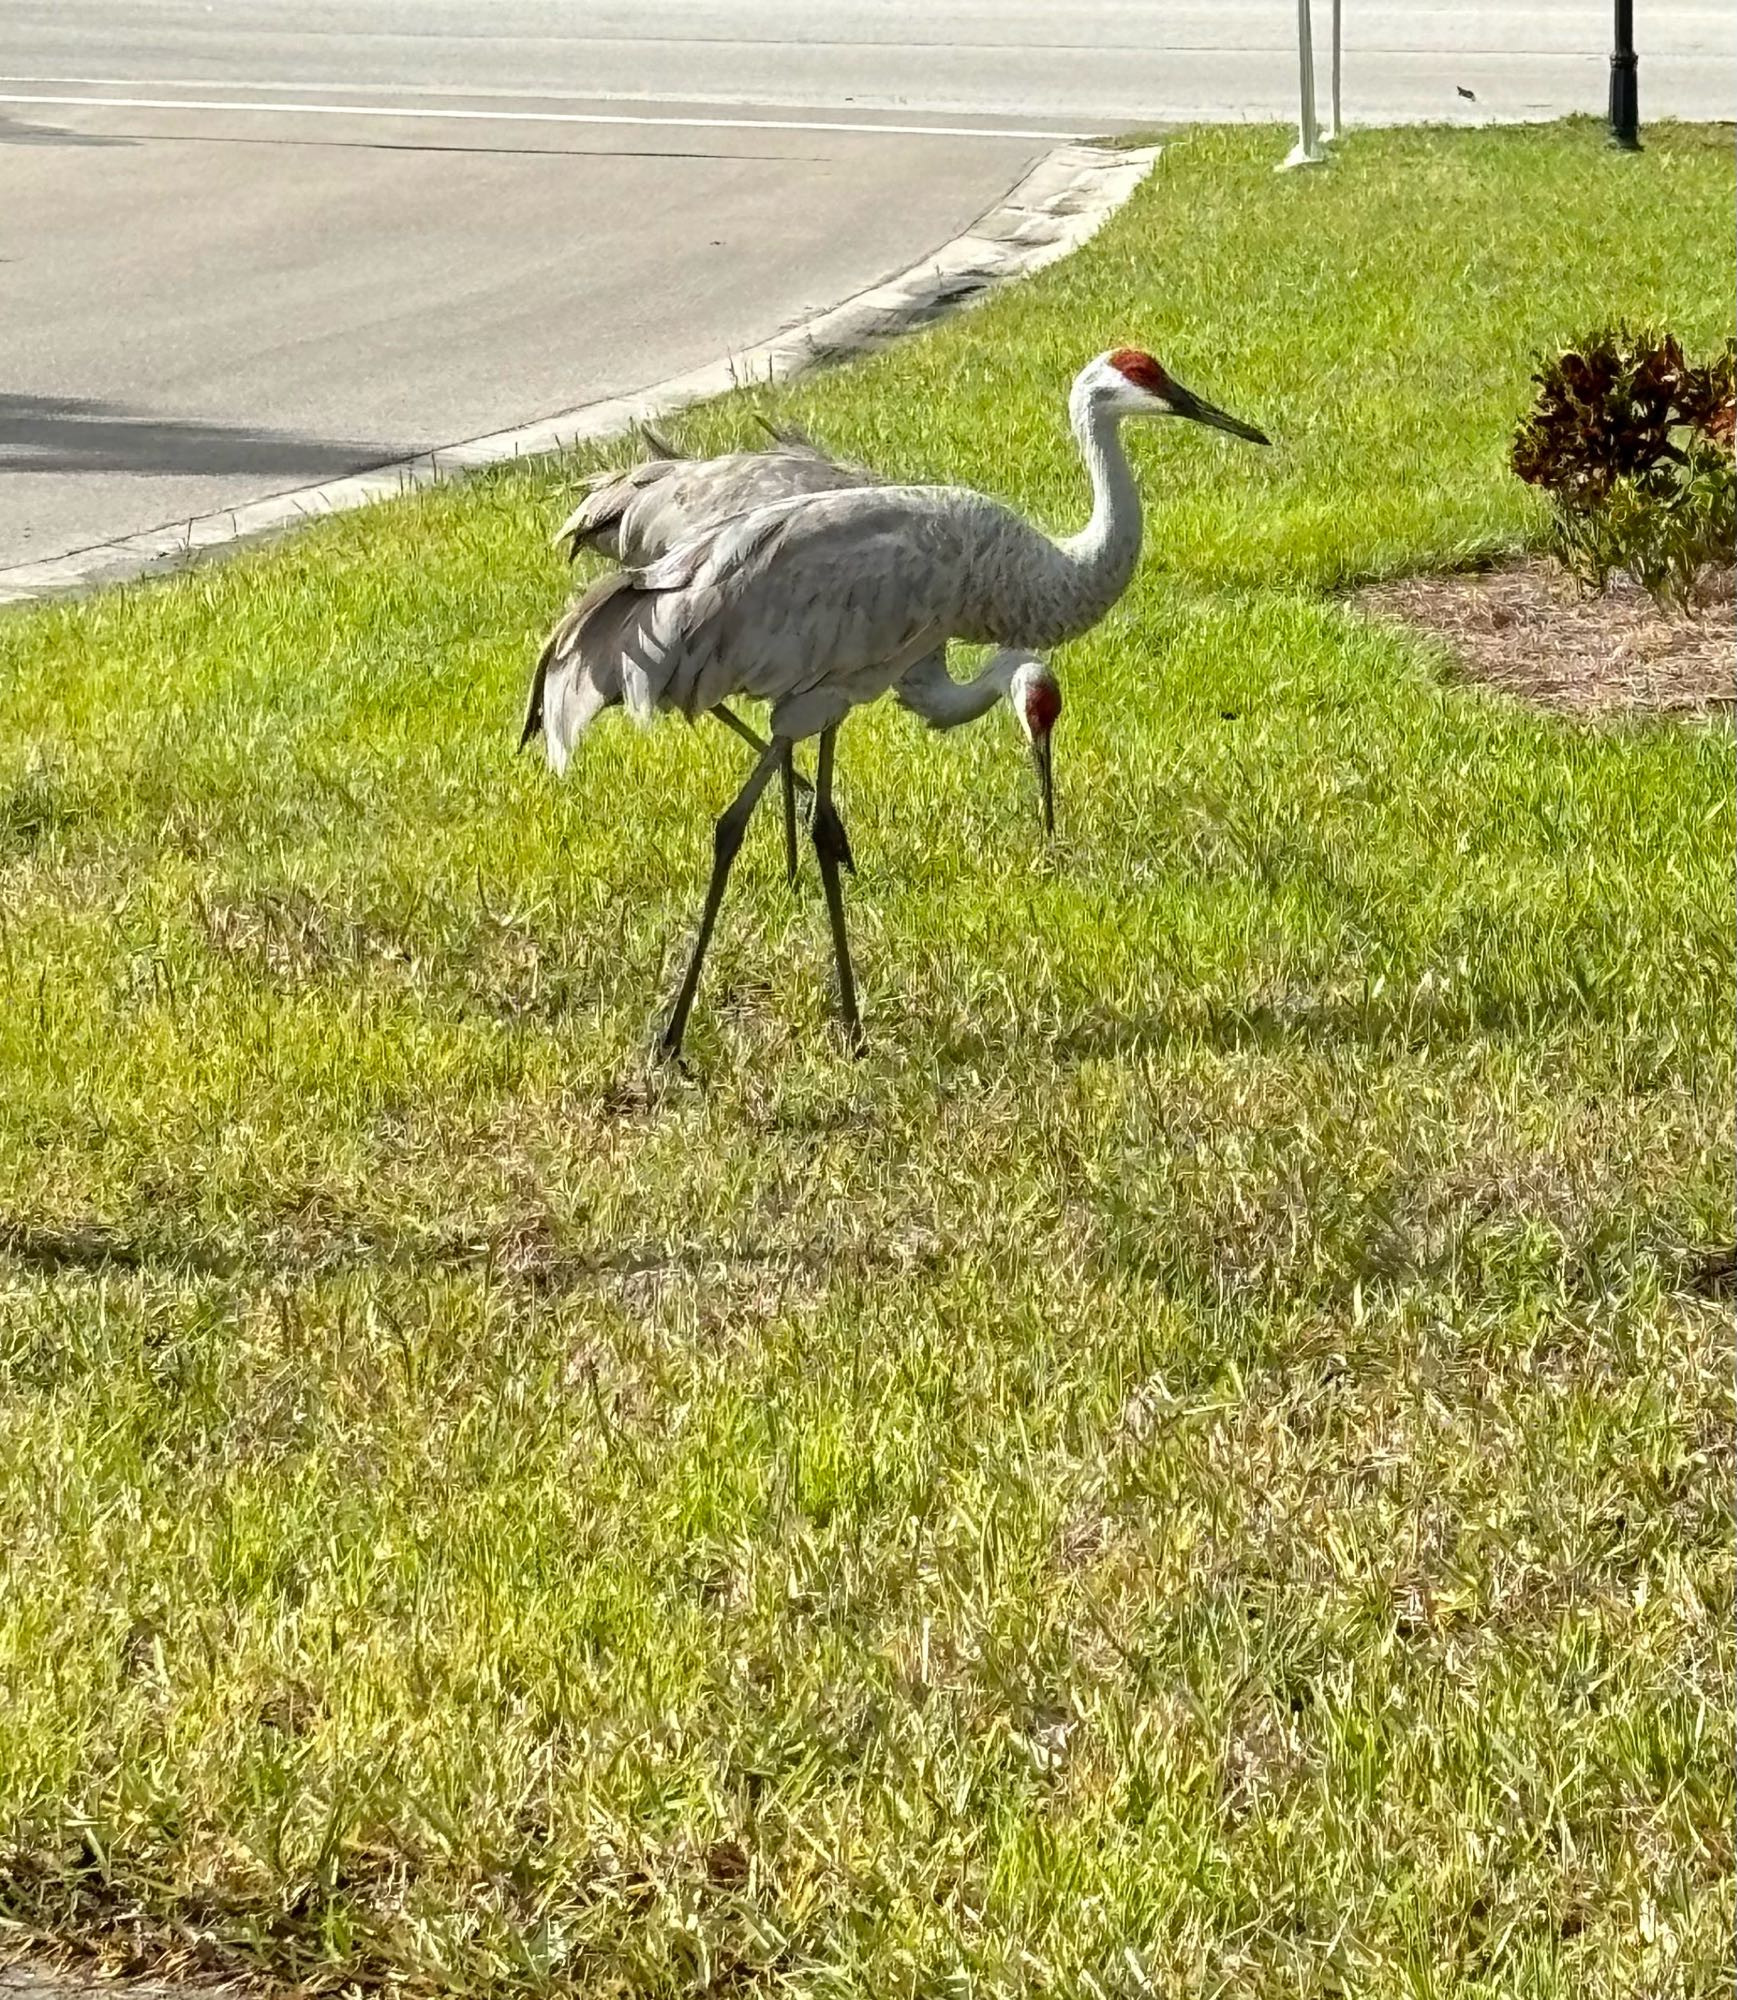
x: 668, y: 1056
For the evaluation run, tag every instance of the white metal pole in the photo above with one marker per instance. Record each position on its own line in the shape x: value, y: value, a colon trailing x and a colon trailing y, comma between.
x: 1307, y: 151
x: 1336, y: 118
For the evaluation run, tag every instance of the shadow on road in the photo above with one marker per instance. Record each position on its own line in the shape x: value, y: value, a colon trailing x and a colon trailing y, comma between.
x: 21, y: 132
x: 68, y: 434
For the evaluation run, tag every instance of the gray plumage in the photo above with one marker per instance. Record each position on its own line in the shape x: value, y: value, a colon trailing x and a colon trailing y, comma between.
x: 819, y: 603
x: 640, y: 513
x: 636, y: 514
x: 815, y: 606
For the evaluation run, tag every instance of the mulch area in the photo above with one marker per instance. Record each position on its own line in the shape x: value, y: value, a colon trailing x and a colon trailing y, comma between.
x: 1527, y: 630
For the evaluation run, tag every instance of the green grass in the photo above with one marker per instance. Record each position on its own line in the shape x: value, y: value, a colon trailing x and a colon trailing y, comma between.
x: 1198, y: 1467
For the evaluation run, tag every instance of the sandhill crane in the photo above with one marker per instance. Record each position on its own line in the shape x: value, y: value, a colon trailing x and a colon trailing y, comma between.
x: 820, y: 604
x: 640, y: 512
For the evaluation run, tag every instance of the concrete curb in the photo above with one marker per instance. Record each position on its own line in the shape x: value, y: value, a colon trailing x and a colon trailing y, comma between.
x: 1065, y: 199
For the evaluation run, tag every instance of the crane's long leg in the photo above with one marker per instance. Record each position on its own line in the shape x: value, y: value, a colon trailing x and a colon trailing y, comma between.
x: 793, y: 782
x: 831, y: 847
x: 754, y: 740
x: 726, y: 839
x: 787, y: 771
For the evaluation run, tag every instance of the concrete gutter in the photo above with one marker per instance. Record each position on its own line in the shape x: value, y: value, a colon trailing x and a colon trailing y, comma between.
x: 1062, y: 202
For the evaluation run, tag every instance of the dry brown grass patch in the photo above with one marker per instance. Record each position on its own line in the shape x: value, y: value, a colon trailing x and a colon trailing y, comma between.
x: 1529, y: 631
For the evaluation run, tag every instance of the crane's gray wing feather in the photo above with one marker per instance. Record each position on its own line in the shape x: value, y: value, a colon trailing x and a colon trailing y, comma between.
x: 595, y: 523
x: 815, y: 605
x: 645, y: 510
x: 703, y: 495
x: 577, y: 674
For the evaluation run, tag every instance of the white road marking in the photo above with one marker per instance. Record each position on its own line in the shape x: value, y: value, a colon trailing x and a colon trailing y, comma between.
x: 382, y: 87
x: 428, y: 112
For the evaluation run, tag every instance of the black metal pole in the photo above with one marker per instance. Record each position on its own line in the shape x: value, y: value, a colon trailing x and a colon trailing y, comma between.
x: 1624, y: 91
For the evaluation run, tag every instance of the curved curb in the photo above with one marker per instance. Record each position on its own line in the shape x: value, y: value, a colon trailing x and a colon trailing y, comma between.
x: 1062, y: 202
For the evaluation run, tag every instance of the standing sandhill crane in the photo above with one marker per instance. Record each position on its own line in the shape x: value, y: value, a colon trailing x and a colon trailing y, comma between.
x: 820, y: 604
x: 642, y: 512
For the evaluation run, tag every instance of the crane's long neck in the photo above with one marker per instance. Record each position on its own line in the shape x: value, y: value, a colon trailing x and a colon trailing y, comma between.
x: 1043, y: 592
x: 1100, y: 559
x: 1113, y: 532
x: 944, y: 703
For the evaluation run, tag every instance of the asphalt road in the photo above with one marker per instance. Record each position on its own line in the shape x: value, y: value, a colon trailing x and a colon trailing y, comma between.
x: 1086, y: 62
x: 250, y: 244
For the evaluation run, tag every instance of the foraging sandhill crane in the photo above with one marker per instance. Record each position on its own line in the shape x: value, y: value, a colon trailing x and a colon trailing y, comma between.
x: 638, y: 513
x: 822, y: 603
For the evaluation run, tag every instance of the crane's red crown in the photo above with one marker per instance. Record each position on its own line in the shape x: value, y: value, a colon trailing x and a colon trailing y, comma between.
x: 1043, y: 703
x: 1140, y: 369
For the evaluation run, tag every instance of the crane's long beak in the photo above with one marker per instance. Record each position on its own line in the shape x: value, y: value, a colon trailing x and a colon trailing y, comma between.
x: 1185, y: 404
x: 1041, y: 757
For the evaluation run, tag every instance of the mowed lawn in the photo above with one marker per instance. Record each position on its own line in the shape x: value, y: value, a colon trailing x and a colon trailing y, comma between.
x: 1202, y: 1466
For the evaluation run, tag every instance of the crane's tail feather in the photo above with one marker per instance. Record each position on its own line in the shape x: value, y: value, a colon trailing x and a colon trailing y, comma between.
x: 534, y: 698
x: 596, y: 521
x: 606, y: 495
x: 579, y: 671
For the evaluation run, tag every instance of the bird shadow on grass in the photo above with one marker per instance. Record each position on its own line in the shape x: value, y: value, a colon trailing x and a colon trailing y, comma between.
x: 94, y: 1246
x: 531, y: 1257
x: 1390, y: 1023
